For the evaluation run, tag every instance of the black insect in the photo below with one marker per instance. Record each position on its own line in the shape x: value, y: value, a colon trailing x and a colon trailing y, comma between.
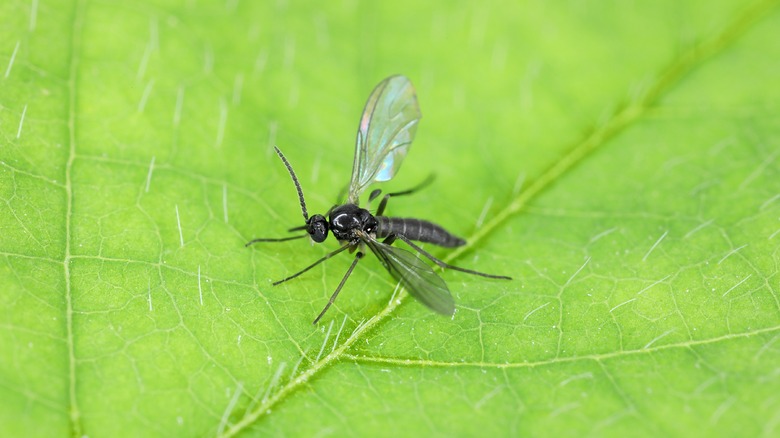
x: 387, y: 128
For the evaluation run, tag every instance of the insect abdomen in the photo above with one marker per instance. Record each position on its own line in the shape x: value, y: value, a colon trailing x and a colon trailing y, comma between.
x: 417, y: 229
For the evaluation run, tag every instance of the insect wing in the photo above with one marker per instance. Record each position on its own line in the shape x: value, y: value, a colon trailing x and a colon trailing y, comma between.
x: 387, y: 128
x: 417, y: 277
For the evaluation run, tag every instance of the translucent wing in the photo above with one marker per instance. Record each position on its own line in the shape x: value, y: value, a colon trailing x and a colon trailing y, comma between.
x: 386, y: 131
x: 417, y: 277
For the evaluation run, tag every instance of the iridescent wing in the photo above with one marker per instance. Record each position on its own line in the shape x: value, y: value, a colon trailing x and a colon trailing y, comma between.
x: 386, y: 131
x: 417, y: 277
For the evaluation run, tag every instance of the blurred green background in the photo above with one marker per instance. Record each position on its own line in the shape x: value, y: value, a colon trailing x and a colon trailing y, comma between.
x: 618, y: 159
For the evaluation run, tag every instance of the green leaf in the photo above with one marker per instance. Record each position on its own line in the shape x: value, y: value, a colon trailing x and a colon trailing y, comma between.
x: 619, y: 160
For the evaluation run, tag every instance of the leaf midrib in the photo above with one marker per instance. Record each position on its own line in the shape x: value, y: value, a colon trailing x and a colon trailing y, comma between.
x: 625, y: 116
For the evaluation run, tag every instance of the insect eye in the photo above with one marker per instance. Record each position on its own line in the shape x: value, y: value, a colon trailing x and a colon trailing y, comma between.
x: 317, y: 227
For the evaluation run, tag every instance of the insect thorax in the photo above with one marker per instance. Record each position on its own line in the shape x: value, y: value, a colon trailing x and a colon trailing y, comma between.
x: 348, y: 219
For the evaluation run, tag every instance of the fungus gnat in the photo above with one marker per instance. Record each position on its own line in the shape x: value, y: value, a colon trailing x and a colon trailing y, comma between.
x: 386, y: 131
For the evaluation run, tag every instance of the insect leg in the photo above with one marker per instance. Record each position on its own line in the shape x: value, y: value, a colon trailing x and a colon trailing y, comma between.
x: 383, y: 203
x: 281, y: 239
x: 446, y: 265
x: 326, y: 257
x: 358, y: 256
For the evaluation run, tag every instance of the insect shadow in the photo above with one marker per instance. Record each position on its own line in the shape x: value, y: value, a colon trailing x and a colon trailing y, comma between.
x: 387, y: 128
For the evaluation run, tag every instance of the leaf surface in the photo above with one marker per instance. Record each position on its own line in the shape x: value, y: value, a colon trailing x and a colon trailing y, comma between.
x: 619, y: 160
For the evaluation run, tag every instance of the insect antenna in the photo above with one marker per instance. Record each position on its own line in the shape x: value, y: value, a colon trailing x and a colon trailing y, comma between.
x: 300, y: 198
x: 295, y: 181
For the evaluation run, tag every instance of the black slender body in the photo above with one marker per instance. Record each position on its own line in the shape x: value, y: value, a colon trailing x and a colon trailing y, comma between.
x: 385, y: 132
x: 417, y: 229
x: 345, y: 219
